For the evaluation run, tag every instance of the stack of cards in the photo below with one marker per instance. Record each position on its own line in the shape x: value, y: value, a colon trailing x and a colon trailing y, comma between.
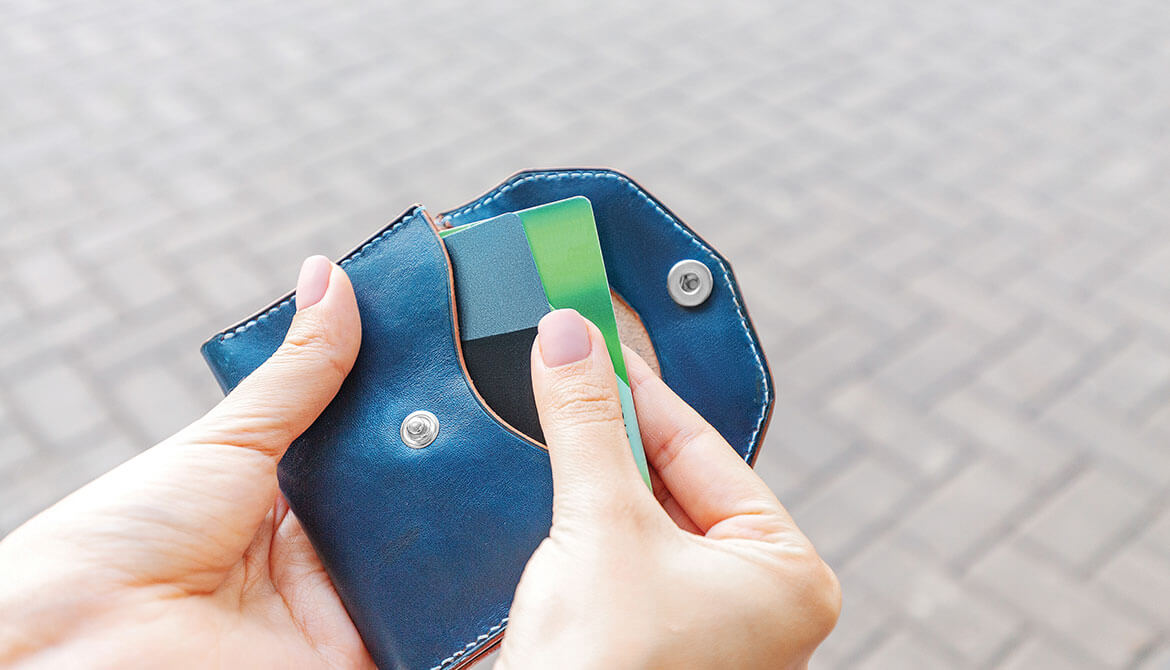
x: 509, y: 272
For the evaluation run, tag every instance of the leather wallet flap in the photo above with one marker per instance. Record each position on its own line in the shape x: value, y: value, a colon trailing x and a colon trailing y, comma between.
x: 425, y: 546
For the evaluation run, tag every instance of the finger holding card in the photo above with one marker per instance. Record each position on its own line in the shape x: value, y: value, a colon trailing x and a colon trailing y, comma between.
x: 509, y: 272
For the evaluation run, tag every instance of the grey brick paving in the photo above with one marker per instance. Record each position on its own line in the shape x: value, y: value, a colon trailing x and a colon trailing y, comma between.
x: 967, y: 512
x: 937, y: 602
x: 1037, y: 652
x: 1140, y: 576
x: 1082, y: 522
x: 904, y: 649
x: 949, y: 220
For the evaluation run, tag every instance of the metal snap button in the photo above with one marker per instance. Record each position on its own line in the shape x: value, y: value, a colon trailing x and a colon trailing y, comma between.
x: 689, y: 282
x: 419, y: 429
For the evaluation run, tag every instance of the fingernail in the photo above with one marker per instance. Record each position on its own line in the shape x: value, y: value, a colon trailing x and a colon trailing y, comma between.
x: 564, y: 338
x: 313, y: 281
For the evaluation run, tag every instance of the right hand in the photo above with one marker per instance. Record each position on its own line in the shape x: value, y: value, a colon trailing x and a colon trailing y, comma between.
x: 709, y: 571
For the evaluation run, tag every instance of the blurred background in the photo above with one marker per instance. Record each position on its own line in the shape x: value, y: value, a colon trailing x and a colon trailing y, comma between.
x: 949, y: 220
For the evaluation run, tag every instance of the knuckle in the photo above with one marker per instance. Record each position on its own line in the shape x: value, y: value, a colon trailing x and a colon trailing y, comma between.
x: 621, y: 516
x: 243, y: 428
x: 306, y: 338
x: 680, y: 438
x: 584, y: 402
x: 621, y: 510
x: 313, y: 346
x: 804, y: 582
x: 260, y: 434
x: 819, y: 594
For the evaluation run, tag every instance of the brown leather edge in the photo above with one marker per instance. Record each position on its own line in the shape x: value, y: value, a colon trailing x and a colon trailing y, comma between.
x: 749, y: 322
x: 632, y: 332
x: 459, y: 342
x: 491, y: 644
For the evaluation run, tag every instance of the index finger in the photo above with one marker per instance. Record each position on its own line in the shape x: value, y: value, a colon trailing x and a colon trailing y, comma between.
x: 703, y: 473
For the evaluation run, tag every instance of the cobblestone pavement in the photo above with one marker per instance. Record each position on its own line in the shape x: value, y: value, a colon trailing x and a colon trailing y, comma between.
x: 950, y: 220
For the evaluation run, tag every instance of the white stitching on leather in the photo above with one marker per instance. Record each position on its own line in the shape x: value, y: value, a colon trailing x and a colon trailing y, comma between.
x: 590, y: 174
x: 468, y: 647
x: 497, y: 193
x: 229, y: 334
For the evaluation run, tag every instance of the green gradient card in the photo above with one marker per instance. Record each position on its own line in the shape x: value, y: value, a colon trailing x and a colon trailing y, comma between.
x: 562, y: 237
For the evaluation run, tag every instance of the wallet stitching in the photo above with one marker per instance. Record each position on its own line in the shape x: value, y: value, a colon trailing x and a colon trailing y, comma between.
x: 739, y: 310
x: 499, y: 192
x: 480, y: 639
x: 470, y: 645
x: 227, y: 335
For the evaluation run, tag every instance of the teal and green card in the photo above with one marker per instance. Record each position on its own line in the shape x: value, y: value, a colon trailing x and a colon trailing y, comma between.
x: 510, y: 271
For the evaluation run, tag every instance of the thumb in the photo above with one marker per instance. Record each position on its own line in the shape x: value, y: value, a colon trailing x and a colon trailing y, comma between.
x: 576, y: 396
x: 282, y: 398
x: 185, y: 510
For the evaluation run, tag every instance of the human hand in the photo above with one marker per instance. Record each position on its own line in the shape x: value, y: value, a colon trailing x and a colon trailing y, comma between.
x: 187, y: 555
x: 708, y: 572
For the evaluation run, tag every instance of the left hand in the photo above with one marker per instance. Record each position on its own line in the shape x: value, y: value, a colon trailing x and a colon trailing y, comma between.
x: 187, y: 555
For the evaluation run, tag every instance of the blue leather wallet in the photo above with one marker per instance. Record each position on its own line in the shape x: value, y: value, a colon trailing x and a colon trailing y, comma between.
x: 426, y: 545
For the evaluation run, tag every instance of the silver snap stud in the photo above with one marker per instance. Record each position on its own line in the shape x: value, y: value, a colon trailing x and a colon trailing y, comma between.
x: 419, y: 429
x: 689, y: 282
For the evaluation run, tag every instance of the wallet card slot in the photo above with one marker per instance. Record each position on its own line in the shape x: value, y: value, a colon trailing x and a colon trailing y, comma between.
x: 425, y: 546
x: 710, y: 353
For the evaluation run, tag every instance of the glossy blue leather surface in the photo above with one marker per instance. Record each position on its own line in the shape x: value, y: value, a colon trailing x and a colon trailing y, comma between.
x: 426, y: 546
x: 709, y: 354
